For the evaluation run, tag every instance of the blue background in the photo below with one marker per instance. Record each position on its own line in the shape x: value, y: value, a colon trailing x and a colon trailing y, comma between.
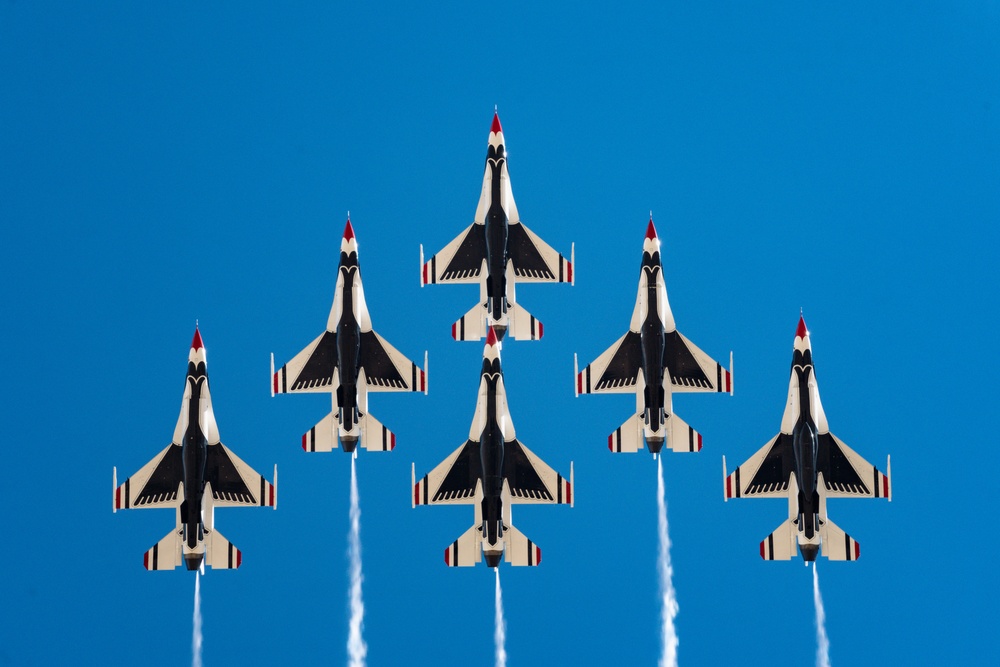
x: 160, y: 165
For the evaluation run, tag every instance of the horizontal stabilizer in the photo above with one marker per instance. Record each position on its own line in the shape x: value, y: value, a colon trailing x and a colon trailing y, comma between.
x: 523, y: 325
x: 520, y: 550
x: 222, y: 555
x: 166, y: 554
x: 780, y: 545
x: 322, y: 437
x: 374, y: 436
x: 465, y: 551
x: 682, y: 437
x: 838, y: 545
x: 627, y: 437
x: 472, y: 325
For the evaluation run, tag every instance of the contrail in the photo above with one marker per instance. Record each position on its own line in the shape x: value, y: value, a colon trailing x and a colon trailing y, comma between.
x: 822, y: 641
x: 669, y: 657
x: 196, y: 636
x: 356, y: 647
x: 500, y: 632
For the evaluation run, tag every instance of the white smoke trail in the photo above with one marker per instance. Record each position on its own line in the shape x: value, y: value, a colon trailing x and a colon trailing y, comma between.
x: 196, y: 636
x: 822, y: 641
x: 357, y: 650
x: 669, y: 612
x: 500, y: 631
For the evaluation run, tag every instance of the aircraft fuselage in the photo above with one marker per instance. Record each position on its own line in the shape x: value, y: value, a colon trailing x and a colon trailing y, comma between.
x: 348, y: 351
x: 194, y: 452
x: 805, y: 447
x: 491, y: 452
x: 496, y: 237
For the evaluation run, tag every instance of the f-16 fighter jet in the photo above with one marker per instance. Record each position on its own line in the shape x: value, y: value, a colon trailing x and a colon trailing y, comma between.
x: 195, y: 474
x: 496, y: 251
x: 491, y: 471
x: 654, y: 361
x: 348, y: 360
x: 808, y: 464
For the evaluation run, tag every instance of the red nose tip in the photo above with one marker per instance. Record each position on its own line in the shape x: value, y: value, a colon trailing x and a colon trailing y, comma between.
x: 348, y: 231
x: 196, y: 344
x: 491, y: 337
x: 651, y: 230
x: 801, y: 332
x: 495, y: 128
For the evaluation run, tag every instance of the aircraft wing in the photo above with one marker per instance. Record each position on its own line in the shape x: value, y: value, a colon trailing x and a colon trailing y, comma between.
x: 616, y: 370
x: 534, y: 260
x: 454, y: 481
x: 461, y: 261
x: 234, y: 483
x: 311, y: 370
x: 386, y: 369
x: 155, y: 484
x: 766, y: 473
x: 848, y: 475
x: 691, y: 370
x: 531, y: 480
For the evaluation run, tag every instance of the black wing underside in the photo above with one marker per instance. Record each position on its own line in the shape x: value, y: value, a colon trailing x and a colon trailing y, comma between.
x: 466, y: 471
x: 522, y: 478
x: 624, y: 365
x: 775, y: 469
x: 318, y: 371
x: 528, y: 261
x: 378, y: 365
x: 225, y: 478
x: 468, y: 259
x: 838, y: 473
x: 683, y: 367
x: 166, y: 477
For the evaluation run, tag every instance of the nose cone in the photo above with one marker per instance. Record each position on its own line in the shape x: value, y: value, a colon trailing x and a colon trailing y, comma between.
x: 801, y: 331
x: 651, y: 230
x: 495, y: 128
x: 348, y: 230
x: 196, y: 343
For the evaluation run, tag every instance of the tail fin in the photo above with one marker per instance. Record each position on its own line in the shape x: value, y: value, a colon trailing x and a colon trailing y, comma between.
x: 165, y: 554
x: 465, y: 551
x: 523, y: 325
x: 838, y: 545
x: 780, y: 545
x: 472, y: 325
x: 519, y: 549
x: 222, y: 555
x: 322, y: 437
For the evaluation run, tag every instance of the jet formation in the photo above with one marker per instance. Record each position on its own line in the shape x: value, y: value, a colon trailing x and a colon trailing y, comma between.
x: 493, y: 470
x: 195, y: 474
x: 807, y: 464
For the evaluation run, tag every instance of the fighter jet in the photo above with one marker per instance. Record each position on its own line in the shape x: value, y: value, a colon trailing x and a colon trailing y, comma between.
x: 195, y: 474
x: 491, y: 471
x: 654, y: 361
x: 808, y: 464
x: 348, y: 360
x: 496, y: 251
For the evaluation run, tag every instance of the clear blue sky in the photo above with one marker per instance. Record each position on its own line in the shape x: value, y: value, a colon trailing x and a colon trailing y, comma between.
x: 162, y: 164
